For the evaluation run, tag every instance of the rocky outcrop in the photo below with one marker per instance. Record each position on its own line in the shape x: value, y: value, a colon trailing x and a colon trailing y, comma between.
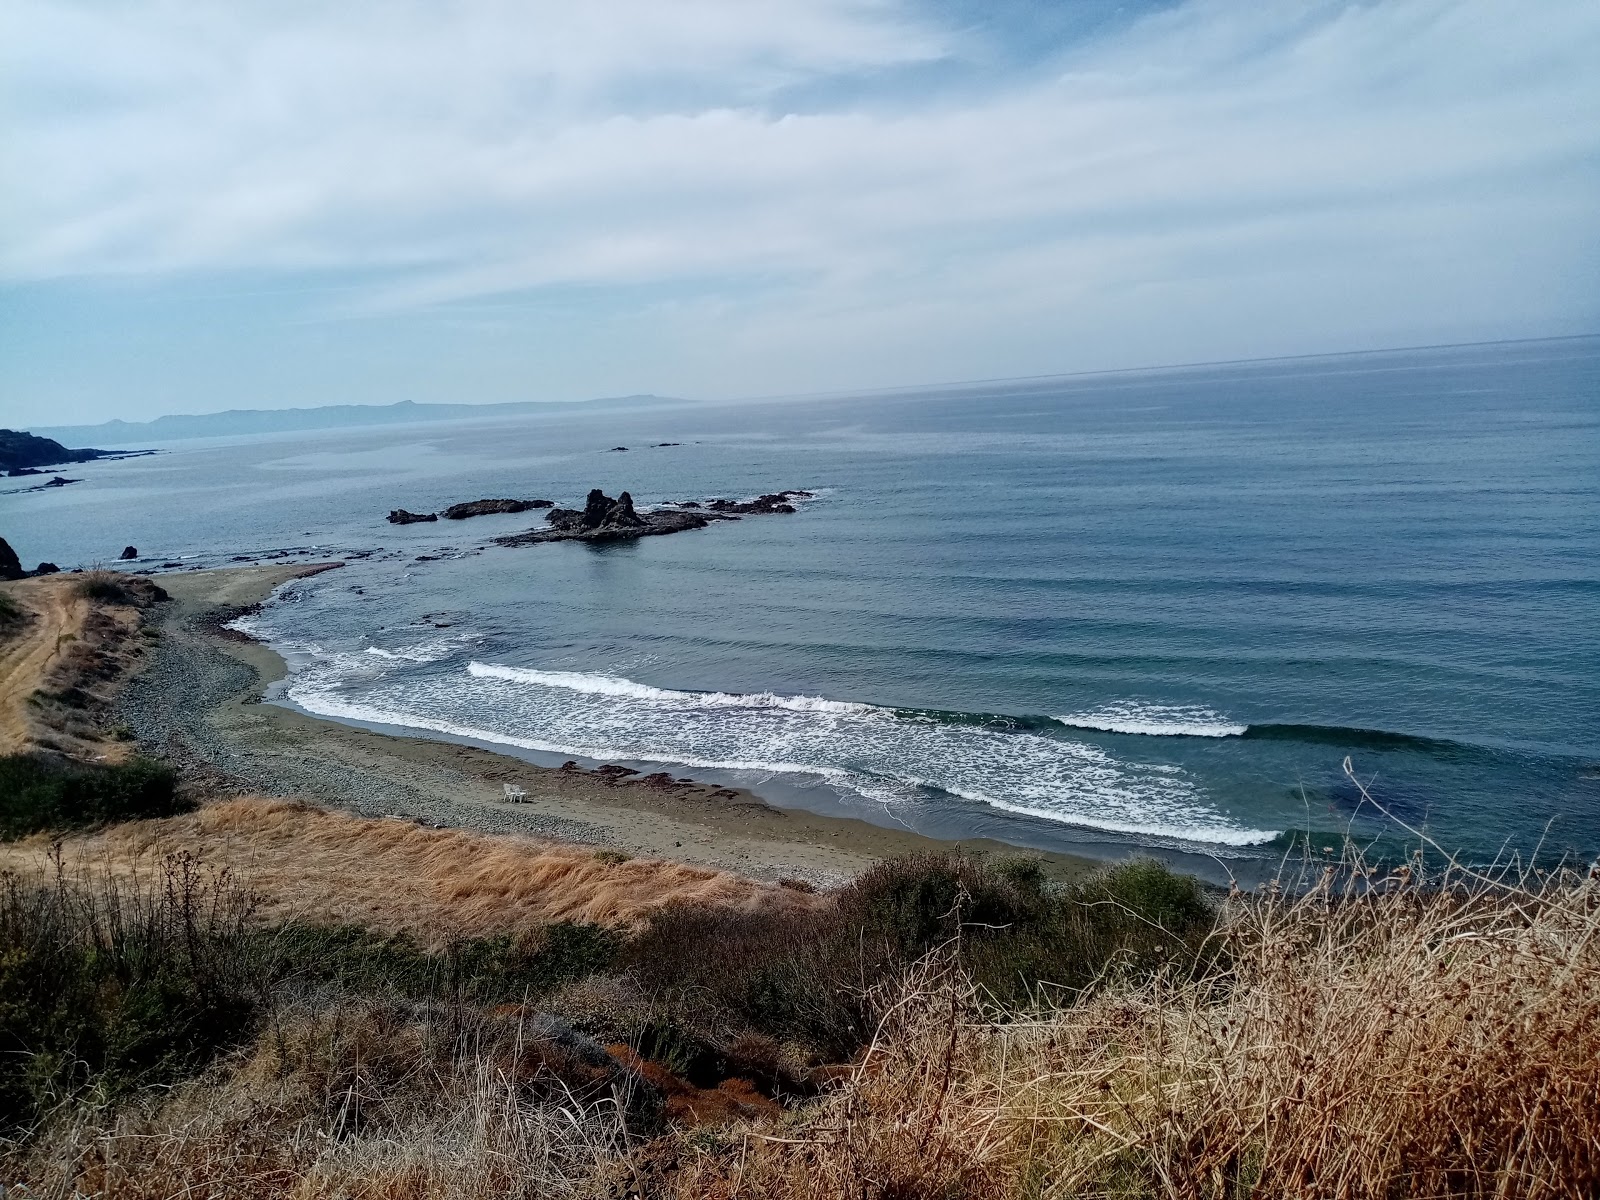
x: 399, y: 516
x: 20, y: 451
x: 46, y: 568
x: 484, y: 508
x: 772, y: 502
x: 10, y: 564
x: 603, y: 519
x: 129, y: 553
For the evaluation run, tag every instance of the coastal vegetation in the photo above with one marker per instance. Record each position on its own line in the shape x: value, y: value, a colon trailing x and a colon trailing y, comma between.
x: 45, y: 792
x: 204, y: 993
x: 993, y: 1034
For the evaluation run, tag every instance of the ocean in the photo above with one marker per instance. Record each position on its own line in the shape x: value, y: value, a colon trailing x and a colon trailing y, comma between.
x: 1154, y: 610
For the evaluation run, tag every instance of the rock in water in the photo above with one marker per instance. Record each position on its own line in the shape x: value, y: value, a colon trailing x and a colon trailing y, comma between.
x: 46, y: 568
x: 622, y: 516
x: 603, y: 519
x: 10, y: 564
x: 400, y: 516
x: 482, y: 508
x: 129, y: 553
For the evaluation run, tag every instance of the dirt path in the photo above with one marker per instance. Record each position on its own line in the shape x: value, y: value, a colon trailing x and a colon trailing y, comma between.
x: 57, y: 613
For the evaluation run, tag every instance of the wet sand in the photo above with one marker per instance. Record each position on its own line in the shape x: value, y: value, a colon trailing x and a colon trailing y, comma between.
x: 200, y: 702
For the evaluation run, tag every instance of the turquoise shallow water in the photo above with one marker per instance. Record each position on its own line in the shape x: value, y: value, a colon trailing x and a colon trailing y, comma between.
x: 1152, y: 607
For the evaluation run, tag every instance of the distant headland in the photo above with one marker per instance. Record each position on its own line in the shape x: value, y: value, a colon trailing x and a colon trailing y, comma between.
x: 333, y: 416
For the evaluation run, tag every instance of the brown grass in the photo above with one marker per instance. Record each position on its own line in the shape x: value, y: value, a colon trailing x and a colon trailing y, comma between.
x: 364, y: 1102
x: 310, y: 864
x: 1370, y: 1039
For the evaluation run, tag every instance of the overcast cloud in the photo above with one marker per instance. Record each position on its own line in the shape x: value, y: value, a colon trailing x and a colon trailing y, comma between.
x: 266, y: 204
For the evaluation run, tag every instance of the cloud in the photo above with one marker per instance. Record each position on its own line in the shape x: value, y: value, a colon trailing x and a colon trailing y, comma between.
x: 801, y: 172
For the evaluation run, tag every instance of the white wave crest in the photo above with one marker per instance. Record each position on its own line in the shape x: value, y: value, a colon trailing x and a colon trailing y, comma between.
x: 1155, y: 720
x: 611, y: 685
x: 860, y: 748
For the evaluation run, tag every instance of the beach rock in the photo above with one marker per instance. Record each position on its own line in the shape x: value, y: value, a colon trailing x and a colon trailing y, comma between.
x: 129, y: 553
x: 617, y: 450
x: 46, y: 568
x: 482, y: 508
x: 10, y: 565
x: 400, y: 516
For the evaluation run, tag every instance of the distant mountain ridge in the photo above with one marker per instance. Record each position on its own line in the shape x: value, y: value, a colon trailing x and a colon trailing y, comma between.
x: 332, y: 416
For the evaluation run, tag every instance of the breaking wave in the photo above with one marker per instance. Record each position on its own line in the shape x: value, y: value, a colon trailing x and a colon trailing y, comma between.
x: 890, y: 756
x: 1155, y: 720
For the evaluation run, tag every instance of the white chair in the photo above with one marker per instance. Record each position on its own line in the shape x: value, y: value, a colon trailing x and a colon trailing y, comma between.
x: 514, y: 794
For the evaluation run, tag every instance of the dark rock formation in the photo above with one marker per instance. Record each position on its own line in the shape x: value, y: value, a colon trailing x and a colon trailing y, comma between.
x: 19, y: 449
x: 46, y: 568
x: 772, y: 502
x: 616, y: 449
x: 483, y: 508
x: 400, y: 516
x: 129, y: 553
x: 10, y: 565
x: 15, y: 472
x: 604, y: 519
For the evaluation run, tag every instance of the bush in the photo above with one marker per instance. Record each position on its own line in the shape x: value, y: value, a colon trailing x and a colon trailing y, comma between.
x: 349, y: 959
x: 809, y: 975
x: 12, y: 615
x: 40, y: 792
x: 105, y: 586
x: 107, y: 985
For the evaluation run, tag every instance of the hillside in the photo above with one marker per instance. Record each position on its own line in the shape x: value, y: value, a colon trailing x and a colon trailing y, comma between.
x: 20, y: 451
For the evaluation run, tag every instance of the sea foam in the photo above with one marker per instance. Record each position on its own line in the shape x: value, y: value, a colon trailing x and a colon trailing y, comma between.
x: 1155, y: 720
x: 889, y: 757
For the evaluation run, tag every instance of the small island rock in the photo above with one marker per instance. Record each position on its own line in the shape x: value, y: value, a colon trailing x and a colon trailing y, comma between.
x: 482, y: 508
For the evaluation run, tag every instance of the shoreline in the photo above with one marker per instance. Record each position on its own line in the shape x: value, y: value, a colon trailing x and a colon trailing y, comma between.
x: 200, y: 703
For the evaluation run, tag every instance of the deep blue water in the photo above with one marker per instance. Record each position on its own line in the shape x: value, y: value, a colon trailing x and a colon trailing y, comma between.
x: 1154, y: 607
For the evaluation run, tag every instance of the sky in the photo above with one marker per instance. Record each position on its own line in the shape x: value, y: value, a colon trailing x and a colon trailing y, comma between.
x: 275, y: 203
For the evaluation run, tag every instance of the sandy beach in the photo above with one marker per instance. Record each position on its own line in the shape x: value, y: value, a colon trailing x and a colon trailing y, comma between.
x: 199, y: 703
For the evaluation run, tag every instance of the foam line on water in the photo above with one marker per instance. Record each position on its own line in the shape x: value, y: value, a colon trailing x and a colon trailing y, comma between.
x: 874, y: 752
x: 1155, y: 720
x: 612, y: 685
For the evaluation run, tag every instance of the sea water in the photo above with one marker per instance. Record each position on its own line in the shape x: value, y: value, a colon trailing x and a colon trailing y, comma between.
x: 1157, y: 609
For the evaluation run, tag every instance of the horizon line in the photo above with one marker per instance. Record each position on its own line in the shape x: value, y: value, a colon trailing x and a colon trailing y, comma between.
x: 870, y: 391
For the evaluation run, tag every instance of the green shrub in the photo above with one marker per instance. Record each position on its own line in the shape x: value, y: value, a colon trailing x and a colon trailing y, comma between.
x: 348, y: 958
x: 104, y: 586
x: 807, y: 976
x: 40, y: 792
x: 107, y: 985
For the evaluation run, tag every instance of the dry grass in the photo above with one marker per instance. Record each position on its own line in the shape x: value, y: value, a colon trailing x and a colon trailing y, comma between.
x: 309, y: 864
x: 361, y: 1103
x: 1369, y: 1038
